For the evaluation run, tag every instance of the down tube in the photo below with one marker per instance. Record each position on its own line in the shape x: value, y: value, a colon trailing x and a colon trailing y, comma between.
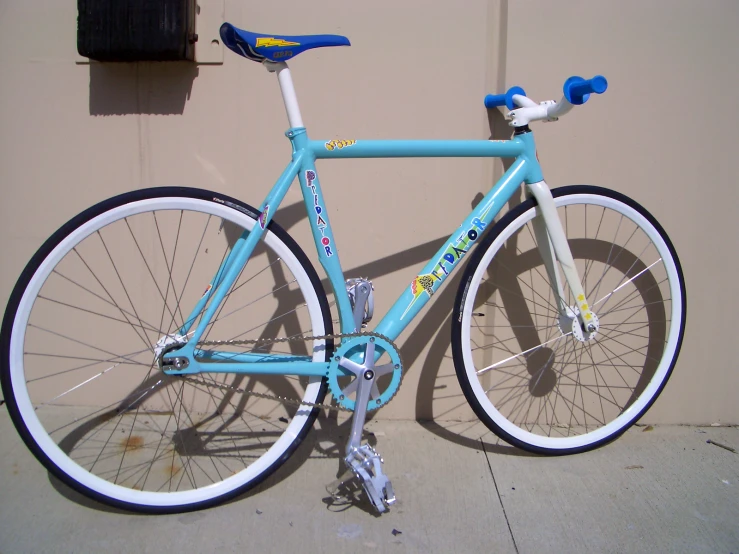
x: 446, y: 260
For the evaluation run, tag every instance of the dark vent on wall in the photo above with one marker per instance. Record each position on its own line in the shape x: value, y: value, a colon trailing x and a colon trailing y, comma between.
x: 136, y: 30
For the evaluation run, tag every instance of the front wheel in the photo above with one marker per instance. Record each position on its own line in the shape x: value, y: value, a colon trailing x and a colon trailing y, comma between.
x: 523, y: 370
x: 80, y: 373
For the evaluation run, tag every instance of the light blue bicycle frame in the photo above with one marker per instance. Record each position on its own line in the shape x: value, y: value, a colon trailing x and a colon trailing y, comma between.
x: 305, y: 152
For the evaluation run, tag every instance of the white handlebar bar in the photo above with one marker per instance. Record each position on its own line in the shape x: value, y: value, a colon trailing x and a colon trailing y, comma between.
x: 529, y: 111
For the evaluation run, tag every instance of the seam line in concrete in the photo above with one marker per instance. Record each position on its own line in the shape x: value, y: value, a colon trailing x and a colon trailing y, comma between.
x: 515, y: 546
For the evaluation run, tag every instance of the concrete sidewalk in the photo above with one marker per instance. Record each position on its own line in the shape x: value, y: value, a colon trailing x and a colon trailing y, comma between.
x: 459, y: 490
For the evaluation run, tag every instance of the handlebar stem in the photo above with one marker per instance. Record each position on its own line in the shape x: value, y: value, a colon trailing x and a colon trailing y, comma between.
x: 549, y: 110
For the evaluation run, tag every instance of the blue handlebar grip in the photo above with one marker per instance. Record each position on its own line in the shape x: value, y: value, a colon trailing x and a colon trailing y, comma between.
x: 495, y: 100
x: 577, y: 90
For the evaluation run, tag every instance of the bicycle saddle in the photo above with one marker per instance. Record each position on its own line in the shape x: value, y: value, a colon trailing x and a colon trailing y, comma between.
x: 276, y: 48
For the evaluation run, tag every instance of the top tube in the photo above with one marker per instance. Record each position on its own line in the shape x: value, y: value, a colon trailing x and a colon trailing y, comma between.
x: 417, y: 148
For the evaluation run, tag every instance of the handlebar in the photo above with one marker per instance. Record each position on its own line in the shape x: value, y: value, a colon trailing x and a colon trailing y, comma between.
x: 576, y: 91
x: 495, y: 100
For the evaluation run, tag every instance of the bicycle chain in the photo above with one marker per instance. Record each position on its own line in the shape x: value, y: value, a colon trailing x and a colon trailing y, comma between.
x: 289, y: 401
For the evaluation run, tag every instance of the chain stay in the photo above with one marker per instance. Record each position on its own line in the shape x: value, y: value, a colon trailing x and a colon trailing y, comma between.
x: 287, y: 401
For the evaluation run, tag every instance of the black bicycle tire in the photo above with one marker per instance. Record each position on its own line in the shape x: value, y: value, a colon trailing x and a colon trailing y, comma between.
x: 40, y: 256
x: 475, y: 259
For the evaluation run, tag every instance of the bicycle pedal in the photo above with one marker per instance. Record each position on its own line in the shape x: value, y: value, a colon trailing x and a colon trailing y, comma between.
x: 366, y: 465
x: 389, y: 494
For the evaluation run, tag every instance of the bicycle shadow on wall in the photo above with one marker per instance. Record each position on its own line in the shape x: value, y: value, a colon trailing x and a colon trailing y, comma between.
x: 152, y: 88
x: 206, y: 435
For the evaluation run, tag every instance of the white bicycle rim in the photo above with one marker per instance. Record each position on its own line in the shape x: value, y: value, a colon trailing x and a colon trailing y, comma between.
x: 625, y: 418
x: 71, y: 468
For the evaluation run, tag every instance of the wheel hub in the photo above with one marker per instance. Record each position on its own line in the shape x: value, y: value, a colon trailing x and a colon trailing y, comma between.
x: 570, y: 323
x: 167, y: 344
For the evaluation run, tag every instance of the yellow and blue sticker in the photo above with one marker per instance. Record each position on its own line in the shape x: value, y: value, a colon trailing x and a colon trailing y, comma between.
x: 263, y: 217
x: 334, y: 144
x: 427, y: 283
x: 272, y: 42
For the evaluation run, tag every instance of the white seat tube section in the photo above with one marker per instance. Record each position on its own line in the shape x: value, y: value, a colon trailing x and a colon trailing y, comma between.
x: 288, y: 92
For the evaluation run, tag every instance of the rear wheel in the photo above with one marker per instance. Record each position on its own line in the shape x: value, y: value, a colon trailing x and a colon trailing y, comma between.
x: 79, y: 372
x: 524, y: 371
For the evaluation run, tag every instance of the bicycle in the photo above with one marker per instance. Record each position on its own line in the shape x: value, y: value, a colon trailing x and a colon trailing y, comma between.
x: 566, y: 326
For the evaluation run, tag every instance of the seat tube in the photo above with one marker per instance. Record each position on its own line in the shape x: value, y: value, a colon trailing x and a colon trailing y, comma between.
x: 320, y: 224
x: 289, y: 97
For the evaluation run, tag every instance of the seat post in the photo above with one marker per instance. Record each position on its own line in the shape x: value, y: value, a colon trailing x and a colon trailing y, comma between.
x: 288, y: 91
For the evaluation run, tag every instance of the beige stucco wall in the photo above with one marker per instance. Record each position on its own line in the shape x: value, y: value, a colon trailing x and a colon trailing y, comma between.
x: 72, y: 134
